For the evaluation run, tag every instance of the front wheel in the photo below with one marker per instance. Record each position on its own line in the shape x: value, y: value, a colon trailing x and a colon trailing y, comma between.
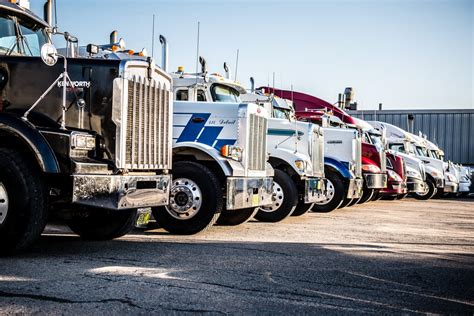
x: 302, y: 208
x: 428, y: 193
x: 196, y: 200
x: 335, y: 193
x: 284, y: 199
x: 366, y: 195
x: 23, y: 202
x: 236, y: 217
x: 98, y: 224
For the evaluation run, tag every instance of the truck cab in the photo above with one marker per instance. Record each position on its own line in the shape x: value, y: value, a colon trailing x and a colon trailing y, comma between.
x: 296, y: 153
x: 213, y: 131
x: 342, y: 160
x: 87, y: 140
x: 452, y: 172
x: 374, y: 158
x: 408, y: 145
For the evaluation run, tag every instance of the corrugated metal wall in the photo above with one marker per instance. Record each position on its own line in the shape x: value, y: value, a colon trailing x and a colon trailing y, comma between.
x: 452, y: 130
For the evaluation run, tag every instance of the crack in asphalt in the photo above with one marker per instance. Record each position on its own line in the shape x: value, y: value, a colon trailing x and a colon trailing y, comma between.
x: 54, y: 299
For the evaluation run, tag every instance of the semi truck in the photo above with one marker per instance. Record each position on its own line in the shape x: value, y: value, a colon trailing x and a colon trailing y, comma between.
x: 221, y: 173
x: 342, y: 161
x: 83, y: 139
x: 424, y: 176
x: 293, y: 189
x: 373, y: 164
x: 296, y: 152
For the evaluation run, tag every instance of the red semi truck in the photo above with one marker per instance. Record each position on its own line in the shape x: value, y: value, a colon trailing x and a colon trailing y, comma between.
x: 373, y: 154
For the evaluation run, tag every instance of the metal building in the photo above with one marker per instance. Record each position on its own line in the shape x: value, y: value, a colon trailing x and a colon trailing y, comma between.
x: 452, y: 130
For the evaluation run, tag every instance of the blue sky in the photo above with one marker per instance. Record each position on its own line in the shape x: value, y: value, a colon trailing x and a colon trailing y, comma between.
x: 405, y: 54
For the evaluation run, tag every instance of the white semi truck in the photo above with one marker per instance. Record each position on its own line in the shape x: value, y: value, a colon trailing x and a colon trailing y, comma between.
x: 414, y: 146
x: 297, y: 184
x: 297, y: 153
x: 219, y: 157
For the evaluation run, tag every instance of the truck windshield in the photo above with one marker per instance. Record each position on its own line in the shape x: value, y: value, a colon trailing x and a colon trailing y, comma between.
x: 20, y: 37
x: 281, y: 113
x: 398, y: 148
x: 420, y: 151
x: 223, y: 93
x: 434, y: 154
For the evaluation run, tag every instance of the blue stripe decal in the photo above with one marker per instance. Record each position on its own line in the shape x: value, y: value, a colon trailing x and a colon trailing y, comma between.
x: 283, y: 132
x: 209, y: 135
x: 222, y: 142
x: 192, y: 129
x: 199, y: 132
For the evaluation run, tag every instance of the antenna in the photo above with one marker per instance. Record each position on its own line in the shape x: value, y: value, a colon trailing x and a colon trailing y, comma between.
x: 153, y: 38
x: 197, y: 50
x: 55, y: 14
x: 273, y: 83
x: 236, y: 65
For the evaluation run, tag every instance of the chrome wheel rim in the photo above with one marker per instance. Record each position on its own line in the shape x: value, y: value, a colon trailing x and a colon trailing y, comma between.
x: 3, y: 203
x: 277, y: 199
x: 185, y: 199
x: 426, y: 189
x: 330, y: 192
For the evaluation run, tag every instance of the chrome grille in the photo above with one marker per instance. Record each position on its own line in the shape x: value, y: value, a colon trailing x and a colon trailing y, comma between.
x: 257, y: 142
x: 358, y: 157
x: 383, y: 161
x: 147, y: 128
x: 317, y: 158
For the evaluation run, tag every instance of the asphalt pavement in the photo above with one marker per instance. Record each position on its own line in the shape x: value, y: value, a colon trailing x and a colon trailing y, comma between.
x: 385, y: 257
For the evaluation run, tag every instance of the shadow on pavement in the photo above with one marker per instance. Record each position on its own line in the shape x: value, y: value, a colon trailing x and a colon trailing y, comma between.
x: 63, y: 274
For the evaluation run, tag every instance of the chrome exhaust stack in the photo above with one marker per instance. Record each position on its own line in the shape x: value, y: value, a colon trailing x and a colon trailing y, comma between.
x: 48, y: 12
x: 113, y: 37
x: 164, y: 53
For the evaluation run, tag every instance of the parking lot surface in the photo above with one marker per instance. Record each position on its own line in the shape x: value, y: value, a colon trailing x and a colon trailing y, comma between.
x: 384, y: 257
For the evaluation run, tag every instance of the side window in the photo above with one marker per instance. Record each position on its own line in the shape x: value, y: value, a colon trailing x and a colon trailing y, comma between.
x: 182, y: 95
x: 201, y: 96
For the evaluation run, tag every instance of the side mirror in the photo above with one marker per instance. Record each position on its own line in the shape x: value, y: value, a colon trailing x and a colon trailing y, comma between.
x: 49, y: 54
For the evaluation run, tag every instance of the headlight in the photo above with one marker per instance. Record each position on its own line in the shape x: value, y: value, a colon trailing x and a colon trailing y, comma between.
x: 413, y: 173
x: 394, y: 176
x: 436, y: 174
x: 370, y: 168
x: 82, y: 141
x: 232, y: 152
x: 299, y: 164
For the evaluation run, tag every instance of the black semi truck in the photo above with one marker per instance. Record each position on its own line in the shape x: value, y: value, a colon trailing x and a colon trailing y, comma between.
x: 92, y: 150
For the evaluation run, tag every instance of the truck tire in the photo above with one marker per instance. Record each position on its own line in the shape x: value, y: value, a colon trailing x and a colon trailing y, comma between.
x: 23, y: 202
x: 346, y: 202
x: 335, y: 193
x: 430, y: 191
x: 354, y: 202
x: 439, y: 194
x: 285, y: 199
x: 196, y: 200
x: 402, y: 196
x: 367, y: 195
x: 302, y: 208
x: 236, y: 217
x: 99, y: 224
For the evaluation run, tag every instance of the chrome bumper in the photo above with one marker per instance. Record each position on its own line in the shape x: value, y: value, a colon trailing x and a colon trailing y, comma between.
x: 375, y: 180
x: 451, y: 187
x: 355, y: 188
x: 118, y: 192
x: 415, y: 185
x: 248, y: 192
x: 464, y: 186
x: 314, y: 190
